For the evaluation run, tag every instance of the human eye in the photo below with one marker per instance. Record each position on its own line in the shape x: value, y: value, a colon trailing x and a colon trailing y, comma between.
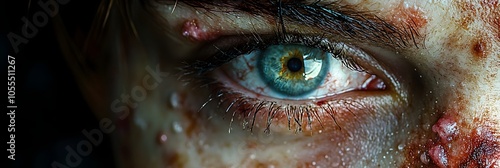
x: 302, y: 78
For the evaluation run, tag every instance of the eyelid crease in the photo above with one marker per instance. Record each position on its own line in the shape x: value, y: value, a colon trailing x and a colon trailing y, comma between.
x: 342, y: 20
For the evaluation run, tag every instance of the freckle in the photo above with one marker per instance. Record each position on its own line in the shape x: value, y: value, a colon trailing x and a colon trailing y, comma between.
x: 480, y: 49
x: 489, y: 3
x: 484, y: 147
x: 321, y: 102
x: 177, y: 127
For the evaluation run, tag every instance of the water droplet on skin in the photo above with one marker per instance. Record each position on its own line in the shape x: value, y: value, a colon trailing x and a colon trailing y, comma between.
x: 423, y: 158
x: 427, y: 127
x: 176, y: 126
x: 174, y: 100
x: 313, y: 163
x: 401, y: 147
x: 252, y: 156
x: 320, y: 131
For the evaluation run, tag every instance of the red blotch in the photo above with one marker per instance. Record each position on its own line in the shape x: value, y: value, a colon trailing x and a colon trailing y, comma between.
x: 480, y: 49
x: 485, y: 152
x: 193, y: 30
x: 472, y: 146
x: 410, y: 16
x: 438, y: 156
x: 321, y: 102
x: 490, y: 3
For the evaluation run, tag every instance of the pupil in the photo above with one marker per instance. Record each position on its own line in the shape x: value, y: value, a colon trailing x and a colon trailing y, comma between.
x: 294, y: 64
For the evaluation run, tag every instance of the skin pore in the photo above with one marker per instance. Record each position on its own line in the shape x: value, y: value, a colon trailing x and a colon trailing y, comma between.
x: 439, y: 60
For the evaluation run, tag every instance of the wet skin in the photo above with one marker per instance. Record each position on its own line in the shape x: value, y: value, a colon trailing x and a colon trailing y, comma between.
x: 441, y: 106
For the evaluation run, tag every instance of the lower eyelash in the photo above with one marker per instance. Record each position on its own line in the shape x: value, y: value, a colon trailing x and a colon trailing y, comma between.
x: 248, y: 110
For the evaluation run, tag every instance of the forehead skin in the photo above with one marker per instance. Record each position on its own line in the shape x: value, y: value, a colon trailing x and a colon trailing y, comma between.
x: 458, y: 56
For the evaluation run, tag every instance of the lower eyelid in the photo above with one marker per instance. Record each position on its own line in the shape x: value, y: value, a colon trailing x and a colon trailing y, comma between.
x: 290, y: 117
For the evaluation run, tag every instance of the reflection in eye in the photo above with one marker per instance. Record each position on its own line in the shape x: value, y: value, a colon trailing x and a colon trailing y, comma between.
x: 292, y: 70
x: 296, y: 79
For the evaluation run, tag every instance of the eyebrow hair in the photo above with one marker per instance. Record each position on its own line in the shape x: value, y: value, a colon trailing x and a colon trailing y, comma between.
x: 342, y: 20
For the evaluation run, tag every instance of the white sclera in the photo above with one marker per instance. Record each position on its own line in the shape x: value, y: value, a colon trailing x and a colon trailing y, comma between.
x: 339, y: 79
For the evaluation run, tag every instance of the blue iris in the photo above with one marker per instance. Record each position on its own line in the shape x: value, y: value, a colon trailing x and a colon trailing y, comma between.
x: 292, y: 69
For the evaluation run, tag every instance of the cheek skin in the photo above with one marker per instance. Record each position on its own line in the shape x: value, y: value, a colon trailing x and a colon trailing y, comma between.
x: 206, y: 142
x: 203, y: 142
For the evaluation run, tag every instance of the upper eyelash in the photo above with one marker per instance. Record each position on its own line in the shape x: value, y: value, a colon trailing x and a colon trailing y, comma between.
x: 256, y: 41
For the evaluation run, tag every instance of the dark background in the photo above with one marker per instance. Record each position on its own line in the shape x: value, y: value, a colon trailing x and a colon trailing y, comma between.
x: 51, y: 111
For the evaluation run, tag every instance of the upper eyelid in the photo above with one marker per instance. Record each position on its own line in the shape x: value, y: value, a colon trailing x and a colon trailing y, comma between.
x: 342, y: 20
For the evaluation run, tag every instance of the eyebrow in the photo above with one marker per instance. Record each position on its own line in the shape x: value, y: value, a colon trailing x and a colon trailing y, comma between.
x: 342, y: 20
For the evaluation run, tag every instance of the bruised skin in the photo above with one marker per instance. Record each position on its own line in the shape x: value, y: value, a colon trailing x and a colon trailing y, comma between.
x: 454, y: 121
